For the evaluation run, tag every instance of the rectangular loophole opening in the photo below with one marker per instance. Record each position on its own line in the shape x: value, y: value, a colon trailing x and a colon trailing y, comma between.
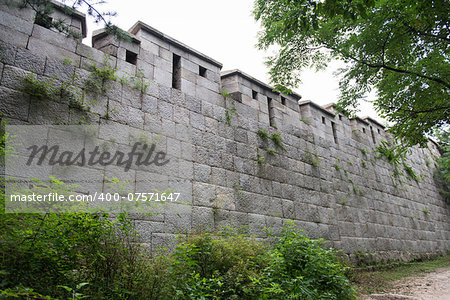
x: 283, y: 100
x: 254, y: 95
x: 373, y: 135
x: 131, y: 57
x: 364, y: 130
x: 202, y: 71
x: 378, y: 130
x: 333, y: 127
x: 340, y: 118
x: 323, y: 120
x: 271, y: 112
x: 176, y: 72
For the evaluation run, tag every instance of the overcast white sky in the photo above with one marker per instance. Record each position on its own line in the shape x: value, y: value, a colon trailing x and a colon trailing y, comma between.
x: 223, y: 30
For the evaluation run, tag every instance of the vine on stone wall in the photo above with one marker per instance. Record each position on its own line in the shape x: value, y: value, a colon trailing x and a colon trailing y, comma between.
x: 277, y: 141
x: 52, y: 89
x: 395, y: 154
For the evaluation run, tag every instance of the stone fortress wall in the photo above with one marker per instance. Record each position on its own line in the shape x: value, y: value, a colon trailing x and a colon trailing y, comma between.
x: 326, y: 178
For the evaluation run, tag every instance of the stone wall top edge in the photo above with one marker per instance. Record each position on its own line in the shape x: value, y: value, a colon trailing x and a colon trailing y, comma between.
x: 229, y: 73
x: 139, y: 25
x: 61, y: 6
x: 373, y: 121
x: 317, y: 106
x: 100, y: 33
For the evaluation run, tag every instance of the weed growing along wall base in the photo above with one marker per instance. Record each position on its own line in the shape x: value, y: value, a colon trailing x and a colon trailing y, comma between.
x: 243, y: 155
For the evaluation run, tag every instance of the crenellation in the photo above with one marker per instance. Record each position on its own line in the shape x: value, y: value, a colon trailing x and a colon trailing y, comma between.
x: 324, y: 175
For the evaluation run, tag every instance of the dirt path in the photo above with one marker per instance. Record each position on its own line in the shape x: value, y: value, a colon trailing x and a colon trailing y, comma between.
x: 433, y: 285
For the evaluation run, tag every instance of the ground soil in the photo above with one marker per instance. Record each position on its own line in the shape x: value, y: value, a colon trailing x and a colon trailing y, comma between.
x: 433, y: 285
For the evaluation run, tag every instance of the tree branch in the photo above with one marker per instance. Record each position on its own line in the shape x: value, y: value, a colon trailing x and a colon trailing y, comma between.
x: 412, y: 29
x: 384, y: 66
x: 415, y: 111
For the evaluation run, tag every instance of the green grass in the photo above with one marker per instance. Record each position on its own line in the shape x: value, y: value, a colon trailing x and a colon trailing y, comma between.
x: 381, y: 281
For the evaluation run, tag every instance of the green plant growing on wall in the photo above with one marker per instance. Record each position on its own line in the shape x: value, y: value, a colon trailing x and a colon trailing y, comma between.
x: 50, y: 89
x: 364, y: 151
x: 111, y: 110
x: 230, y: 111
x: 263, y: 134
x: 356, y: 133
x: 304, y: 120
x: 238, y: 189
x: 364, y: 164
x: 226, y: 94
x: 313, y: 158
x: 426, y: 211
x: 277, y: 140
x: 97, y: 81
x: 39, y: 90
x: 124, y: 80
x: 393, y: 153
x: 396, y: 154
x: 261, y: 159
x: 410, y: 172
x: 337, y: 167
x: 271, y: 151
x: 45, y: 8
x: 75, y: 97
x: 396, y: 173
x: 139, y: 82
x: 427, y: 161
x: 357, y: 190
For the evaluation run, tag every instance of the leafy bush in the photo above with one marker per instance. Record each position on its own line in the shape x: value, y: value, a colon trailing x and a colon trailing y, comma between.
x: 300, y: 268
x: 70, y: 255
x: 45, y: 251
x: 238, y: 267
x: 217, y: 266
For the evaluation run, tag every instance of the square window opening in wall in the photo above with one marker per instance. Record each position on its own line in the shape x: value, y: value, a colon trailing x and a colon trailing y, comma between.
x: 202, y: 71
x: 131, y: 57
x: 340, y: 117
x: 323, y: 120
x: 283, y: 100
x: 254, y: 94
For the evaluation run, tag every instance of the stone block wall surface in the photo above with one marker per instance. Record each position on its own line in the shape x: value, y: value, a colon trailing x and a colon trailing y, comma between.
x: 322, y: 173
